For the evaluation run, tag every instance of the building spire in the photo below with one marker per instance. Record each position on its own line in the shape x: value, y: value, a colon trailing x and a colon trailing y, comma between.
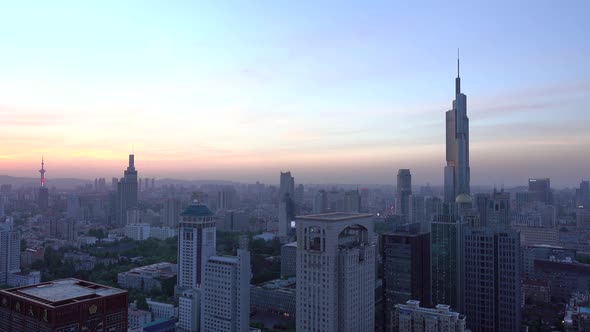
x: 458, y: 79
x: 42, y: 171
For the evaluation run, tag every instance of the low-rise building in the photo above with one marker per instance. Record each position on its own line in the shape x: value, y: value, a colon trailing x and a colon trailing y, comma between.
x: 138, y: 318
x: 412, y: 317
x: 148, y: 277
x: 278, y: 296
x: 138, y: 232
x: 536, y: 290
x: 289, y: 260
x: 20, y: 279
x: 161, y: 310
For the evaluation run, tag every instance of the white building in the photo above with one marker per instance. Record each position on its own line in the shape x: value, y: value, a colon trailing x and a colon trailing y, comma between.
x: 412, y: 317
x: 161, y: 310
x: 21, y: 279
x: 138, y: 318
x: 162, y: 233
x: 138, y: 232
x: 336, y: 254
x: 225, y: 306
x: 196, y: 243
x: 188, y: 310
x: 9, y: 250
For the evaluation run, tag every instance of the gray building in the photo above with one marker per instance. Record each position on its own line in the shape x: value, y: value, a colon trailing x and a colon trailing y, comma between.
x: 457, y: 172
x: 412, y: 317
x: 289, y: 260
x: 492, y: 279
x: 404, y: 190
x: 126, y: 192
x: 149, y: 277
x: 406, y: 270
x: 277, y: 296
x: 448, y: 261
x: 540, y: 188
x: 9, y: 249
x: 336, y: 272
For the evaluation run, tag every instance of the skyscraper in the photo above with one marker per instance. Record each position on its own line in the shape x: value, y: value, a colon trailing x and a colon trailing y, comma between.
x: 457, y: 173
x: 9, y: 249
x: 498, y: 210
x: 406, y: 271
x: 336, y: 272
x: 492, y: 279
x: 404, y: 190
x: 196, y: 243
x: 583, y: 195
x: 225, y: 304
x: 541, y: 189
x: 286, y: 203
x: 127, y: 191
x: 447, y: 233
x: 43, y: 198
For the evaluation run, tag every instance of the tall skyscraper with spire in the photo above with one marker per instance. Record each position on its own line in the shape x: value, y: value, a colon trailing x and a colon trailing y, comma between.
x: 43, y: 197
x: 457, y: 141
x: 127, y: 191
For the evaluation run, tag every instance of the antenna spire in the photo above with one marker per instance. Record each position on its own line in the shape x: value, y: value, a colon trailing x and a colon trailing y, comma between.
x: 458, y: 62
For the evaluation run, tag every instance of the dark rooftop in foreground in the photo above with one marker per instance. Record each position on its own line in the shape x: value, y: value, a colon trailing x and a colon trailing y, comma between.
x: 334, y: 216
x: 61, y: 292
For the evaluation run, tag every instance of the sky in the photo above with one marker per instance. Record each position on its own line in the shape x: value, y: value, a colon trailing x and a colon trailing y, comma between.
x: 335, y: 91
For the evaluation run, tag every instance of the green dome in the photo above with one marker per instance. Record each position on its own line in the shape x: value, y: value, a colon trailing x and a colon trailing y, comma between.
x: 197, y: 210
x: 463, y: 199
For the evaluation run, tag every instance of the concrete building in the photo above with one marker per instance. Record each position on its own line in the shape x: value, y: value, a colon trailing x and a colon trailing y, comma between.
x: 188, y: 310
x: 404, y: 190
x: 20, y: 279
x: 277, y: 296
x: 126, y: 192
x: 406, y: 270
x: 457, y: 171
x: 161, y: 310
x: 138, y: 232
x: 336, y: 257
x: 492, y: 279
x: 289, y: 260
x: 63, y: 305
x: 448, y: 261
x: 417, y: 212
x: 412, y: 317
x: 235, y: 221
x: 137, y: 318
x: 9, y: 249
x: 540, y: 188
x: 170, y: 213
x: 149, y: 277
x: 286, y: 203
x: 583, y: 195
x: 225, y: 305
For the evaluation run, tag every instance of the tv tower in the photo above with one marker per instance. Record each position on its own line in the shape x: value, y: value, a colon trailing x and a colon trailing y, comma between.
x: 42, y: 171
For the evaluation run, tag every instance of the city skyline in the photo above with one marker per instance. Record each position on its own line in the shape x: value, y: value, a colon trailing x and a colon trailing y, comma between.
x: 243, y: 102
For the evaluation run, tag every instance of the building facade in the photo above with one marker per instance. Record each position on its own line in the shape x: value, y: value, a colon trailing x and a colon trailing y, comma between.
x: 406, y: 271
x: 126, y: 192
x: 9, y: 249
x: 63, y: 305
x: 336, y: 254
x: 411, y: 317
x: 404, y: 191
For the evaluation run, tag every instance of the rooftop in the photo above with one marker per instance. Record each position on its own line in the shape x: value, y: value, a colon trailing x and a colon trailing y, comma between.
x: 197, y: 210
x: 335, y: 216
x: 64, y: 291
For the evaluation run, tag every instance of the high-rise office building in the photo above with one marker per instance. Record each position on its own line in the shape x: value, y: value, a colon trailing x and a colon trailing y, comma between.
x: 170, y: 212
x: 225, y: 304
x: 410, y: 316
x: 63, y: 305
x: 416, y: 212
x: 481, y: 205
x: 227, y: 198
x: 404, y: 190
x: 127, y: 192
x: 196, y: 243
x: 447, y: 233
x: 336, y: 273
x: 43, y: 196
x: 541, y: 190
x: 457, y: 173
x: 9, y: 249
x: 498, y: 213
x: 492, y: 279
x: 583, y: 195
x: 406, y: 271
x: 286, y: 203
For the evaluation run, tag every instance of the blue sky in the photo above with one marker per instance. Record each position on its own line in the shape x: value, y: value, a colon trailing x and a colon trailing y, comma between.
x: 336, y: 91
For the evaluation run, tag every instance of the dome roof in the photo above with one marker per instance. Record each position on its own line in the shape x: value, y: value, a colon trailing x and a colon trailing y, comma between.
x: 463, y: 199
x: 197, y: 210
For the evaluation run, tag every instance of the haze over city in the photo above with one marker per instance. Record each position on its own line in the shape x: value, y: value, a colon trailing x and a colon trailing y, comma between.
x: 335, y: 92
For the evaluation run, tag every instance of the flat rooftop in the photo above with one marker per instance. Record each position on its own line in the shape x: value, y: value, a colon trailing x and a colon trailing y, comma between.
x: 65, y: 291
x: 334, y: 216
